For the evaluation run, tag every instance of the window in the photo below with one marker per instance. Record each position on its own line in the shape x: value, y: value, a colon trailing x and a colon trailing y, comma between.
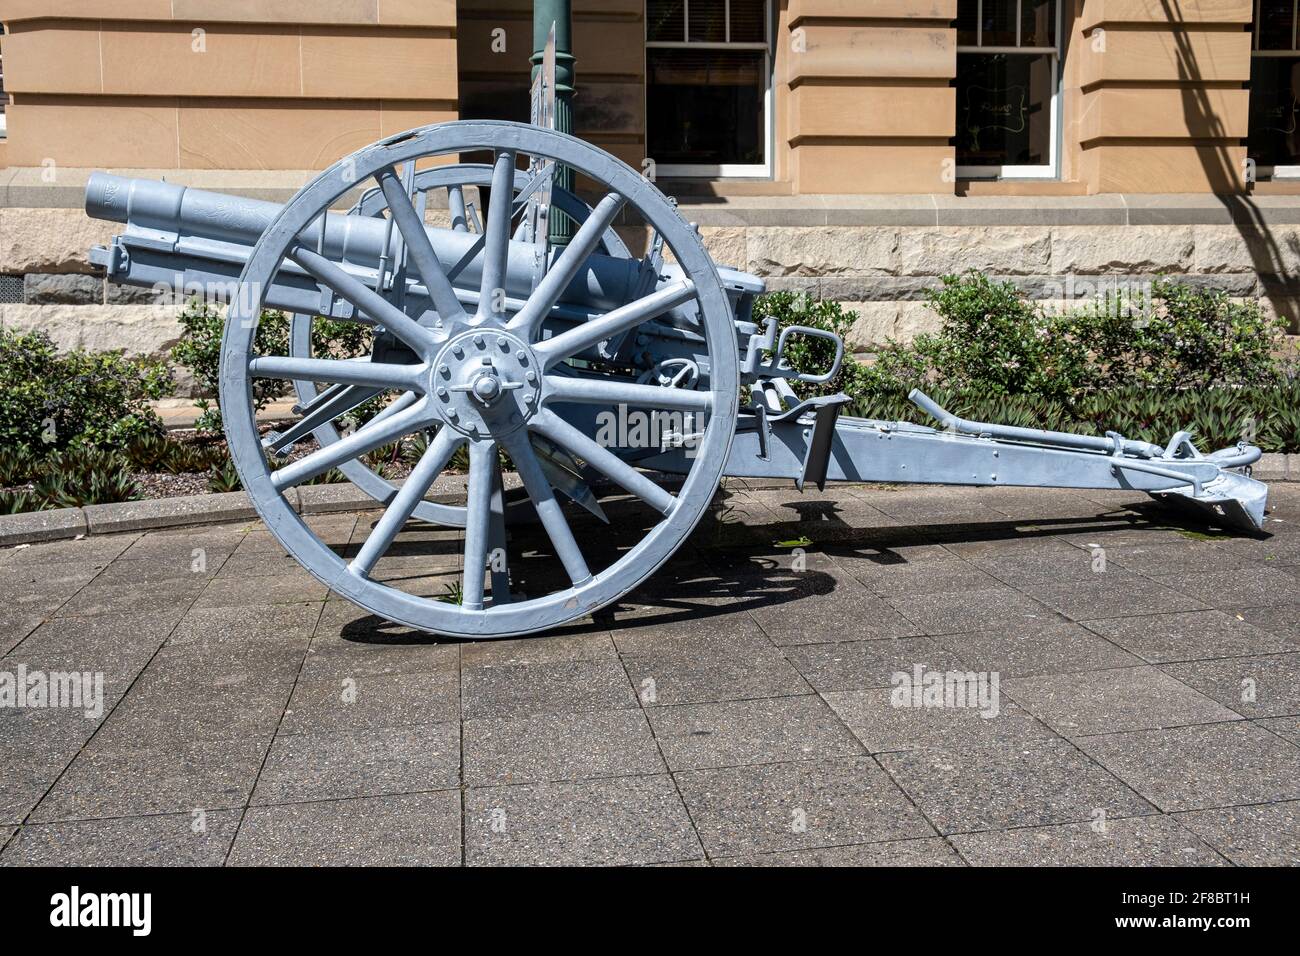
x: 1273, y: 144
x: 1008, y: 88
x: 708, y: 87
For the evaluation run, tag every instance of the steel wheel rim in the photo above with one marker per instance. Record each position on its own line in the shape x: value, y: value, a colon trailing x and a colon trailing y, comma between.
x: 534, y: 614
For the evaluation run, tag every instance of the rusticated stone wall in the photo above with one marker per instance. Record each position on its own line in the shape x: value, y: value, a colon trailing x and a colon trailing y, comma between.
x: 881, y: 271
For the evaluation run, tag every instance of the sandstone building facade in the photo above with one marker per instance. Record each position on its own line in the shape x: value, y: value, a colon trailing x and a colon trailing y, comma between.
x: 857, y: 149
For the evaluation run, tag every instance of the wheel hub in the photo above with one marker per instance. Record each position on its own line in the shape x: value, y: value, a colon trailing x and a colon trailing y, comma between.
x: 485, y: 382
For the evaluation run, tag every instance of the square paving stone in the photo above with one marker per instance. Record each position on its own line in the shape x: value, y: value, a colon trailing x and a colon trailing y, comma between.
x: 179, y: 545
x: 1252, y: 686
x: 111, y: 782
x: 922, y: 852
x: 242, y: 591
x: 374, y: 700
x: 666, y: 632
x: 169, y: 713
x: 518, y: 690
x: 1046, y: 560
x: 1282, y: 620
x: 57, y: 731
x: 775, y: 730
x: 409, y: 830
x: 1188, y: 636
x: 1124, y: 698
x: 591, y: 646
x: 849, y: 612
x: 857, y: 665
x: 792, y: 806
x: 615, y: 821
x: 182, y: 839
x: 89, y: 550
x: 1285, y: 727
x: 1243, y: 587
x: 1266, y: 835
x: 1186, y: 557
x: 922, y: 577
x: 998, y: 788
x: 42, y: 591
x: 960, y: 611
x: 26, y: 778
x: 14, y: 628
x: 1109, y: 594
x: 224, y: 664
x: 882, y: 724
x: 1134, y: 841
x: 360, y: 763
x: 116, y: 645
x: 333, y: 657
x: 1026, y: 650
x: 553, y: 747
x: 663, y: 680
x: 289, y: 623
x: 126, y: 596
x: 1195, y: 768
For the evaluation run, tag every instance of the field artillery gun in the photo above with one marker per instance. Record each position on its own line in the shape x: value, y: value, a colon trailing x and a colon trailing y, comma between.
x: 488, y: 338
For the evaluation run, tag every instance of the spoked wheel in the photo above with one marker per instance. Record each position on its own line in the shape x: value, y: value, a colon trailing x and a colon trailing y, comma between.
x: 322, y: 408
x: 483, y: 376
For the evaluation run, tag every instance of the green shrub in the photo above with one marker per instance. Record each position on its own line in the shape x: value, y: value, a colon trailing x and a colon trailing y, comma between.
x: 1178, y: 337
x: 199, y: 350
x: 51, y: 400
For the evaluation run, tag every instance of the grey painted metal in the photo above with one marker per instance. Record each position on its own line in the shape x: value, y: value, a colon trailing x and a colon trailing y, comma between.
x: 484, y: 407
x: 320, y: 422
x: 489, y: 339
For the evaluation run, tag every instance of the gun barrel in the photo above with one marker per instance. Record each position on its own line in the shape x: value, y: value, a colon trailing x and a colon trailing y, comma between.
x: 186, y: 224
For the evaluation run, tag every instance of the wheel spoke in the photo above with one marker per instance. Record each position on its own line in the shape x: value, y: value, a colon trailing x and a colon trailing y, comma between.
x: 405, y: 400
x: 571, y: 260
x: 548, y: 508
x: 589, y: 333
x: 343, y: 401
x: 606, y: 462
x: 595, y: 391
x: 412, y: 492
x: 456, y: 207
x: 421, y: 251
x: 478, y: 517
x: 365, y: 439
x: 366, y: 299
x: 496, y: 251
x: 342, y: 371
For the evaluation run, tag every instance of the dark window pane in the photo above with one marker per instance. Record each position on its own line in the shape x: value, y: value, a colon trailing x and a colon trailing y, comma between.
x: 748, y: 21
x: 999, y: 23
x: 1038, y: 23
x: 1004, y: 109
x: 1274, y: 84
x: 705, y: 106
x: 665, y: 20
x: 967, y: 19
x: 708, y: 21
x: 1275, y: 24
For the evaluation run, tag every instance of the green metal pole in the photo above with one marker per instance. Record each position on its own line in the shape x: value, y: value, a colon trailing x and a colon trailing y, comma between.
x: 560, y: 13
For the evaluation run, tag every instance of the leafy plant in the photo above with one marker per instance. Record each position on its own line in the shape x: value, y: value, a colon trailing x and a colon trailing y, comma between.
x: 199, y: 350
x: 51, y: 400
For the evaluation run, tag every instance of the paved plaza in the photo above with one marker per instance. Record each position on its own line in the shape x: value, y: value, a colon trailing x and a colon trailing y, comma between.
x: 876, y: 676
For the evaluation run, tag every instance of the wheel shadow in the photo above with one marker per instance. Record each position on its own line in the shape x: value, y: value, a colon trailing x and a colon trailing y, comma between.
x: 729, y: 568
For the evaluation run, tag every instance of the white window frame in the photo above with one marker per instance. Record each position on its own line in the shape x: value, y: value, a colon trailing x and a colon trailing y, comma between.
x: 4, y: 111
x: 724, y: 170
x: 1053, y: 168
x: 1276, y: 172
